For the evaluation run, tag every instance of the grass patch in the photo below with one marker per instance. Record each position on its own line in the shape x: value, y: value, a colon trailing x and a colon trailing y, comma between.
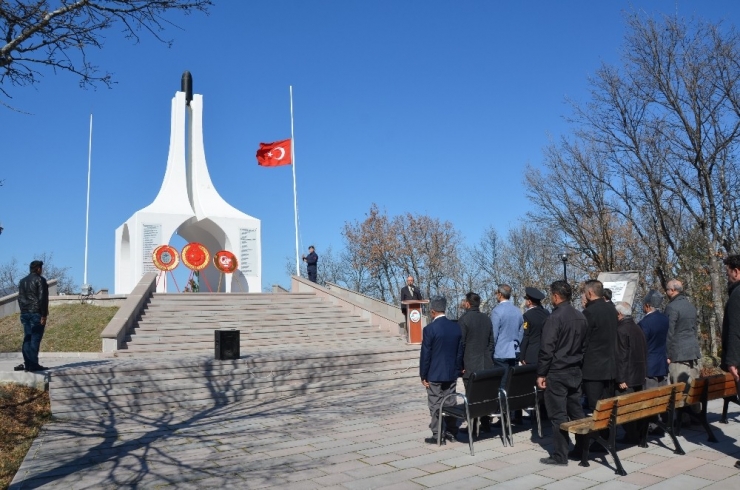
x: 23, y: 411
x: 69, y: 328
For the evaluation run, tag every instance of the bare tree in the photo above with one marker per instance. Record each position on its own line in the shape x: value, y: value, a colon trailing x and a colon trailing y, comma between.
x: 655, y: 150
x: 56, y: 35
x: 13, y: 271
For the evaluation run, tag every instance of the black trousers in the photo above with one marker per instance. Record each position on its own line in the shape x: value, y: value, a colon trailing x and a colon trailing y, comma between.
x: 311, y: 272
x: 435, y: 394
x: 596, y: 390
x: 563, y: 402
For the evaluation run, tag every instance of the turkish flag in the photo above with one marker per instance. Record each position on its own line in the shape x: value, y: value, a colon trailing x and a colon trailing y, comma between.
x: 274, y: 154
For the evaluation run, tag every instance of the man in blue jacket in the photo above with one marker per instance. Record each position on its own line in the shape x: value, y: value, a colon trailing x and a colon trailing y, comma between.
x: 507, y: 329
x: 440, y: 364
x: 655, y: 327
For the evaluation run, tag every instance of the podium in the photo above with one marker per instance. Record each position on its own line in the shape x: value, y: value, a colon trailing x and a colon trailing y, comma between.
x: 414, y: 320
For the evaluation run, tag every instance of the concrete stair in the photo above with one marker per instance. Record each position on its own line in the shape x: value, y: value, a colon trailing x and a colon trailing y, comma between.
x: 184, y: 323
x: 291, y: 344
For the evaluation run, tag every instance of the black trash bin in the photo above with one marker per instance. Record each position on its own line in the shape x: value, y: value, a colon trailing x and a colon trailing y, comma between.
x: 227, y: 344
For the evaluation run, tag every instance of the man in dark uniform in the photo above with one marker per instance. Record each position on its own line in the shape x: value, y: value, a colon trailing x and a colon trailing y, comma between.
x: 731, y: 322
x: 534, y: 319
x: 476, y: 343
x: 599, y: 360
x: 409, y: 291
x: 440, y: 363
x: 655, y: 327
x: 559, y: 367
x: 33, y: 300
x: 311, y: 260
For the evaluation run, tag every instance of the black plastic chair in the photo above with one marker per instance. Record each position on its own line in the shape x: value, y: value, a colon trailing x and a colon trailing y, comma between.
x: 521, y: 394
x: 483, y: 397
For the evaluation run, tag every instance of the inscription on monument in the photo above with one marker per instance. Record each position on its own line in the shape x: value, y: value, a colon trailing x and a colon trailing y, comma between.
x: 248, y: 256
x: 151, y: 238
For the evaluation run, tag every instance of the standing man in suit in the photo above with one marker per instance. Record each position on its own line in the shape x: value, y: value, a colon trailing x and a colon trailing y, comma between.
x: 655, y: 327
x: 600, y: 357
x: 476, y: 343
x: 631, y: 363
x: 409, y: 291
x: 311, y: 260
x: 507, y: 329
x: 682, y: 341
x: 440, y: 363
x: 731, y: 322
x: 534, y: 319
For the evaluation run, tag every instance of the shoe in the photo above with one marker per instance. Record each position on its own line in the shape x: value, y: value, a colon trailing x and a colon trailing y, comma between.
x: 450, y: 437
x: 19, y: 367
x: 550, y: 460
x: 433, y: 440
x: 737, y: 464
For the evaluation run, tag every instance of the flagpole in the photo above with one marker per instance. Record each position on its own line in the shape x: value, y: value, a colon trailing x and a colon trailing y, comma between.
x: 295, y: 194
x: 85, y: 286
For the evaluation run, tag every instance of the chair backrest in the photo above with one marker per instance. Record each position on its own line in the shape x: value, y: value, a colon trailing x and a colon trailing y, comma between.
x: 483, y: 392
x: 520, y: 391
x: 638, y: 405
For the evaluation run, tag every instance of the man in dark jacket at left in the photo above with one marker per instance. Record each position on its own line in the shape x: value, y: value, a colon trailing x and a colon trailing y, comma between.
x: 33, y: 299
x: 440, y: 364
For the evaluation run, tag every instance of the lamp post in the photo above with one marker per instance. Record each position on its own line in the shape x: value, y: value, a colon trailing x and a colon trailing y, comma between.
x: 564, y: 258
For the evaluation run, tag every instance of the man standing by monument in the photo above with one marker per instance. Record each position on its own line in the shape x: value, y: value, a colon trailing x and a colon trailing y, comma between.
x: 33, y: 299
x: 731, y: 322
x: 440, y: 363
x: 311, y: 260
x: 682, y: 341
x: 409, y: 291
x: 559, y: 367
x: 476, y: 343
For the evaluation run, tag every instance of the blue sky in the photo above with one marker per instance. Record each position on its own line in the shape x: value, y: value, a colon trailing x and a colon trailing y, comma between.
x: 431, y: 107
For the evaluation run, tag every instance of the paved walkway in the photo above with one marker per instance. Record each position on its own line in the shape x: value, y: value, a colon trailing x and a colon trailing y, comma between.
x: 357, y: 440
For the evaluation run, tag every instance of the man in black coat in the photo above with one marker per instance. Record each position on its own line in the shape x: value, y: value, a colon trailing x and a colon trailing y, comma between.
x: 476, y: 342
x: 731, y: 322
x: 33, y: 300
x: 599, y: 359
x: 559, y: 367
x: 534, y: 319
x: 409, y: 291
x: 631, y: 362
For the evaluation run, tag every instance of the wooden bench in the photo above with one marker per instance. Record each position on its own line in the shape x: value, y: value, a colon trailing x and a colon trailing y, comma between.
x: 702, y: 391
x: 612, y: 412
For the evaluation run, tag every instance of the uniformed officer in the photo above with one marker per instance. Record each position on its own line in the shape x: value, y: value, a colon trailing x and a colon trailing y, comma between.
x: 559, y: 367
x: 534, y: 319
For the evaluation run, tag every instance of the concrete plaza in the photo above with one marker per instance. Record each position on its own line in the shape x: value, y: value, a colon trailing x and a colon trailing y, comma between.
x: 346, y: 439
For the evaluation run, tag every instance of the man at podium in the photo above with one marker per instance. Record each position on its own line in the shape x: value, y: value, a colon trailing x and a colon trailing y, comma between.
x: 409, y: 291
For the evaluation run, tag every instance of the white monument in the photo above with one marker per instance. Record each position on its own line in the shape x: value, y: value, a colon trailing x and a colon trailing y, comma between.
x: 188, y: 204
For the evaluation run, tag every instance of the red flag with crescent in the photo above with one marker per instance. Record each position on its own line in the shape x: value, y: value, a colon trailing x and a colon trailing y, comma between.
x: 274, y: 154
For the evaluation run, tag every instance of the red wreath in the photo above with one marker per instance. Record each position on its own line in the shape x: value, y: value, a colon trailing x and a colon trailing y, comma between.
x: 165, y: 258
x: 225, y: 261
x: 195, y: 256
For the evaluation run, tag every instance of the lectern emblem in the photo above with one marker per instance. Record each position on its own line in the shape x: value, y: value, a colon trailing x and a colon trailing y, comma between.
x: 414, y: 316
